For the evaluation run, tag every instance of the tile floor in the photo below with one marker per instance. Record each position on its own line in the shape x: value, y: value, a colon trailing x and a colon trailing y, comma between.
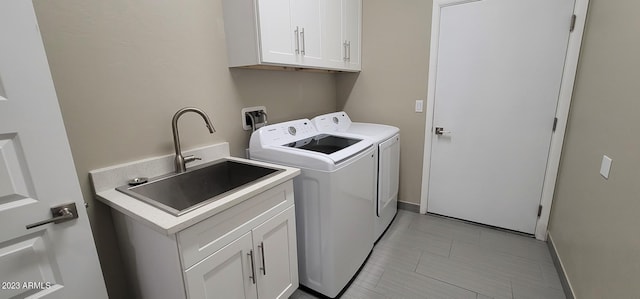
x: 424, y: 256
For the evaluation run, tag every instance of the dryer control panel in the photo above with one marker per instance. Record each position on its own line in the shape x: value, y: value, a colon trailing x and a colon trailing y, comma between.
x: 332, y: 122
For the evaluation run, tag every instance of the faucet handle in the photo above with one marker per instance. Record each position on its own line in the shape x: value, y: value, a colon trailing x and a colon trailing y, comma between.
x: 191, y: 158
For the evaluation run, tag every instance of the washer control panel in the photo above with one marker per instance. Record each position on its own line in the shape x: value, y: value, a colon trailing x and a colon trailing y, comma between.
x: 283, y: 133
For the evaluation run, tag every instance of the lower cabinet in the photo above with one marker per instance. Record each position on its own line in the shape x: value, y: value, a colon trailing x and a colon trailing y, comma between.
x: 224, y: 274
x: 261, y: 263
x: 275, y: 245
x: 246, y: 251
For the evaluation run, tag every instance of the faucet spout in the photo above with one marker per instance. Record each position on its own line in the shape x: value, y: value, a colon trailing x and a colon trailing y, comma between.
x: 180, y: 161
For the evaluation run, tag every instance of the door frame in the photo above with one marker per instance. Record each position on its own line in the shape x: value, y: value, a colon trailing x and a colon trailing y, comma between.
x: 562, y: 110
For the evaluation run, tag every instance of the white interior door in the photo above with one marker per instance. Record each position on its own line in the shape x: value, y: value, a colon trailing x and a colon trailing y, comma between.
x: 36, y: 173
x: 498, y: 75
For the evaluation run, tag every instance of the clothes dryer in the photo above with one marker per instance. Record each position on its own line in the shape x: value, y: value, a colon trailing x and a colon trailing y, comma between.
x: 386, y: 139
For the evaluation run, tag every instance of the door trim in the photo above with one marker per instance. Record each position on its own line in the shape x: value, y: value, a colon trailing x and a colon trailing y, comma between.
x: 562, y: 111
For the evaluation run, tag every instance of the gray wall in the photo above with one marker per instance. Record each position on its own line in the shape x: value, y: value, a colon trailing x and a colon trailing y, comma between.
x: 122, y: 68
x: 595, y: 222
x: 395, y: 68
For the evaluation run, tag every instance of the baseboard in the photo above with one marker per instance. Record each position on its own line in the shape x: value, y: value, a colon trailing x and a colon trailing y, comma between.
x: 564, y: 280
x: 409, y: 206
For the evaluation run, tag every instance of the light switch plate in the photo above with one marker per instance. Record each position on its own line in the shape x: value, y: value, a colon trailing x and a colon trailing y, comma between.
x: 605, y: 167
x: 419, y: 104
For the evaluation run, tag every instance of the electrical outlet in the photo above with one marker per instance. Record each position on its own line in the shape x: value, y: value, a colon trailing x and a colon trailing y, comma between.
x: 419, y: 104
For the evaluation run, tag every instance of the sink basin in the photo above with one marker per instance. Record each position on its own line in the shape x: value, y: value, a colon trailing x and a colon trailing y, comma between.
x: 199, y: 185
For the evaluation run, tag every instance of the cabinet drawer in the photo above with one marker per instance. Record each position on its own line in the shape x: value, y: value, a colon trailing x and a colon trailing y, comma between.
x: 206, y: 237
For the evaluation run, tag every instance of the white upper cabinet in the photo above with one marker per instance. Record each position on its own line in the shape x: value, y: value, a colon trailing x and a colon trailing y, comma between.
x: 342, y: 34
x: 333, y: 35
x: 308, y: 23
x: 352, y: 26
x: 279, y: 42
x: 318, y: 34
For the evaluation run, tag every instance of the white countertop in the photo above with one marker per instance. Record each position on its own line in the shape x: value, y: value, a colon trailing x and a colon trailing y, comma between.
x: 105, y: 181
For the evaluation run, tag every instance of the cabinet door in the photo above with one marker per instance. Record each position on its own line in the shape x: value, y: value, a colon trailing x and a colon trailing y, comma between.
x: 333, y: 34
x: 352, y: 20
x: 225, y: 274
x: 278, y: 39
x: 341, y: 34
x: 277, y: 259
x: 389, y: 171
x: 307, y: 16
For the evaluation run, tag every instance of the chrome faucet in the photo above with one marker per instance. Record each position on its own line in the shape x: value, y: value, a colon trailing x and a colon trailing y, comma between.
x: 180, y: 162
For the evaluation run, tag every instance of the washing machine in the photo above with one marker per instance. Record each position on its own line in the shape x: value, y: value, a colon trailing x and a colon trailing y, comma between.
x: 386, y: 140
x: 333, y: 198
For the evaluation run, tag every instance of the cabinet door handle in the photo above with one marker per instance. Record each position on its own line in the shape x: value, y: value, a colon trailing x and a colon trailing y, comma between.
x: 264, y: 263
x: 297, y: 40
x: 303, y: 44
x: 349, y: 47
x: 344, y: 45
x: 253, y: 269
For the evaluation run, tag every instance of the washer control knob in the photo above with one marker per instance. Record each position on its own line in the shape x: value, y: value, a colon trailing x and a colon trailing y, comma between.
x: 292, y: 131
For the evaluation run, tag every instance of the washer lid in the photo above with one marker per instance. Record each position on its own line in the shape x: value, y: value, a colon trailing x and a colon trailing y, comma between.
x: 297, y: 143
x: 324, y: 143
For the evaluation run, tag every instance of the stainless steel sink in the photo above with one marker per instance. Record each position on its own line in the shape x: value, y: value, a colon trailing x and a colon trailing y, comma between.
x: 199, y: 185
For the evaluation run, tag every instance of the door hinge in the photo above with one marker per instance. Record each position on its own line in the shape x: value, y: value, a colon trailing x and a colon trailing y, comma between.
x: 573, y: 23
x: 555, y: 124
x: 539, y: 210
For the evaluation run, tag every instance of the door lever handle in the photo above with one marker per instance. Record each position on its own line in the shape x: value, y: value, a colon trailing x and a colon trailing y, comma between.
x: 441, y: 131
x: 60, y: 214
